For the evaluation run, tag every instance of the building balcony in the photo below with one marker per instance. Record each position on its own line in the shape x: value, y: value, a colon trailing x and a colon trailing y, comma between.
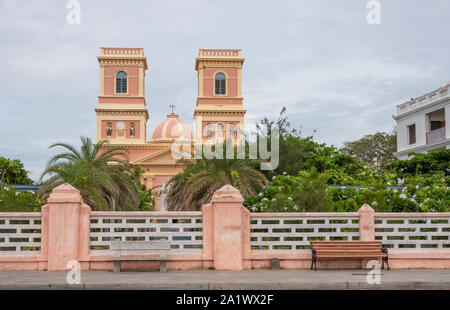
x: 436, y: 135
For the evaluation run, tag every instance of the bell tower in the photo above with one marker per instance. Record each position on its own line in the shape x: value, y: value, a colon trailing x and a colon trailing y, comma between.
x: 219, y: 102
x: 121, y: 112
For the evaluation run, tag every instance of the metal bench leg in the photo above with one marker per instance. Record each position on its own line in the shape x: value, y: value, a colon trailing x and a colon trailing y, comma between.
x: 116, y: 266
x: 162, y: 266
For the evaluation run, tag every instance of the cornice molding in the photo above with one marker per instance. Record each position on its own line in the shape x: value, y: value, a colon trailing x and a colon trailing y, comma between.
x: 100, y: 111
x: 122, y: 61
x: 219, y: 63
x: 222, y: 112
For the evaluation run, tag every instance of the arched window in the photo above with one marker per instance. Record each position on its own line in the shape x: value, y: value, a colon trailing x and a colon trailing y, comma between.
x: 120, y: 125
x: 121, y: 82
x: 220, y: 84
x: 132, y: 130
x: 108, y: 130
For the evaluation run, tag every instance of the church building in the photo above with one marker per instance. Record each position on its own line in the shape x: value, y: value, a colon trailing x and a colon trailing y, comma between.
x: 122, y: 113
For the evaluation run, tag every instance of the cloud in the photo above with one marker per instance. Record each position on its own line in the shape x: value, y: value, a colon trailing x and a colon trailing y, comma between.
x: 339, y: 77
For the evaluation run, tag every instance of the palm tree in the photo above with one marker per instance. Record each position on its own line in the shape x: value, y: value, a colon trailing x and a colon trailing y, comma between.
x: 195, y: 186
x: 103, y: 176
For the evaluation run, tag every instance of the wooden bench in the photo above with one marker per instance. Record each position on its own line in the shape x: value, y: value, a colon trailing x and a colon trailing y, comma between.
x: 348, y: 250
x: 124, y: 250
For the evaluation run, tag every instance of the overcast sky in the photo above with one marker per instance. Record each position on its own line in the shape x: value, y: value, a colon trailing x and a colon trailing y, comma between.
x: 334, y: 72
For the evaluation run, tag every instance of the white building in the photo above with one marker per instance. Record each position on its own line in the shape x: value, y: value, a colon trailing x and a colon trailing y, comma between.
x: 423, y: 123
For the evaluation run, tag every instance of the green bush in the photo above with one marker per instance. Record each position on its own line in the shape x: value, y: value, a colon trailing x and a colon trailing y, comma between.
x: 14, y: 201
x: 306, y: 192
x: 309, y: 192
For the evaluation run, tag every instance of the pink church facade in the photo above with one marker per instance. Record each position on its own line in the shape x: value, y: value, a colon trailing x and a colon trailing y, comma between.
x: 122, y: 113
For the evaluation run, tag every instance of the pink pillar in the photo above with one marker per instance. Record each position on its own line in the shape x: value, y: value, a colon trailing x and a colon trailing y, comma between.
x: 208, y: 235
x: 228, y: 220
x: 67, y: 232
x: 366, y: 223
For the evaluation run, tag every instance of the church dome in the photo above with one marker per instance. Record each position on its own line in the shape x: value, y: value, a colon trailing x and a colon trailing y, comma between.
x: 171, y: 128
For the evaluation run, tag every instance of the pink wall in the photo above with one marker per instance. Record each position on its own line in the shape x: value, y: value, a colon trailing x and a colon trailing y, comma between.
x: 226, y: 238
x: 110, y: 80
x: 231, y: 82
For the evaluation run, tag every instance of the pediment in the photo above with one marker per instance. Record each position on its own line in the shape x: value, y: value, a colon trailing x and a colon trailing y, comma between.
x: 163, y: 157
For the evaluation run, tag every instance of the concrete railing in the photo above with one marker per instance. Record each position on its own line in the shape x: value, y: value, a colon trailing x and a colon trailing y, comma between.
x: 436, y: 135
x: 183, y: 231
x: 219, y: 53
x: 427, y: 99
x: 223, y: 236
x: 20, y: 233
x: 295, y: 231
x: 119, y: 51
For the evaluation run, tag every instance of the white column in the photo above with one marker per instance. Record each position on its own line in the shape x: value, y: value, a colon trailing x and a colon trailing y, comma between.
x: 447, y: 122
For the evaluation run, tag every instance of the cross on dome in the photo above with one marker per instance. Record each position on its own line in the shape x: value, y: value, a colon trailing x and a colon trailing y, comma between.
x: 172, y: 107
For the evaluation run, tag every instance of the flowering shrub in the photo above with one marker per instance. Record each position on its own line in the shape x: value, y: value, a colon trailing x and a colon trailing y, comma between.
x: 387, y: 193
x: 427, y: 193
x: 14, y: 201
x: 305, y: 192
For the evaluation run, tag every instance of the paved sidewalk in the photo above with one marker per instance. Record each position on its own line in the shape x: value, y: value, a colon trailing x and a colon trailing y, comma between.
x: 246, y: 279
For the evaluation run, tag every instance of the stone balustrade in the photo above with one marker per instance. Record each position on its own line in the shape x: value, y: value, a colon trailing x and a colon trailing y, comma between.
x: 223, y: 236
x: 219, y: 53
x: 119, y: 51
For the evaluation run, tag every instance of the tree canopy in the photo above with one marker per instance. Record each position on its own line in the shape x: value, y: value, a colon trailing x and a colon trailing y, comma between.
x: 376, y: 150
x: 12, y: 172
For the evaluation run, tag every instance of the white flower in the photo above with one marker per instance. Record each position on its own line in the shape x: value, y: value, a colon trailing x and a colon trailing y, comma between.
x: 284, y: 172
x: 413, y: 200
x: 374, y: 203
x: 400, y: 181
x: 417, y: 186
x: 273, y: 199
x: 389, y: 183
x: 295, y: 207
x: 260, y: 194
x: 290, y: 198
x: 402, y: 196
